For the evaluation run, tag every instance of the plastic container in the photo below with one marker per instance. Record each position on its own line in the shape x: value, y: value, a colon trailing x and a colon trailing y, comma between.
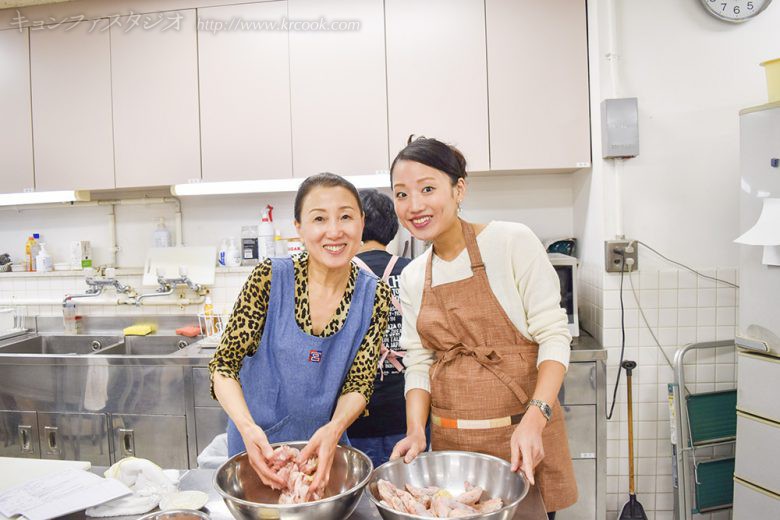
x: 29, y: 252
x: 265, y: 234
x: 36, y: 248
x: 280, y: 245
x: 43, y: 261
x: 772, y: 70
x: 208, y: 314
x: 249, y: 253
x: 69, y: 319
x: 161, y: 236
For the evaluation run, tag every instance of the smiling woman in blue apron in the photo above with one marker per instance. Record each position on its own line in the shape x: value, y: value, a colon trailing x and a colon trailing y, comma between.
x: 487, y: 341
x: 298, y: 356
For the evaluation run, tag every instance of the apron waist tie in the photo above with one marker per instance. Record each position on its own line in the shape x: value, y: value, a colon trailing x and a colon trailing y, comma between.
x: 393, y: 356
x: 486, y: 357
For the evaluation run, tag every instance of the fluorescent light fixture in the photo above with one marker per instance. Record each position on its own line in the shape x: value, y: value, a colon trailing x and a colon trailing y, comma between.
x: 377, y: 180
x: 42, y: 197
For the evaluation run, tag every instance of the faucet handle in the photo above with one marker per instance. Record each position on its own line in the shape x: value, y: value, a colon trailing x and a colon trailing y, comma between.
x: 110, y: 272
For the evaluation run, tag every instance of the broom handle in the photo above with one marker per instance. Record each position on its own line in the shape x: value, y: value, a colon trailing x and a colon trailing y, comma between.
x: 629, y: 366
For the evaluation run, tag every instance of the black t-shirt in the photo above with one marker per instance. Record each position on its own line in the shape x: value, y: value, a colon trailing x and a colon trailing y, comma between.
x: 387, y: 408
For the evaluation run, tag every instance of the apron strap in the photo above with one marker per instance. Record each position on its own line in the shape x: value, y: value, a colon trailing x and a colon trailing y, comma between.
x: 471, y: 246
x: 385, y: 276
x: 488, y: 358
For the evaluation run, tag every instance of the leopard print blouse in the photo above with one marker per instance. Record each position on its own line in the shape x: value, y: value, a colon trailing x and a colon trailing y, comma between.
x: 242, y: 334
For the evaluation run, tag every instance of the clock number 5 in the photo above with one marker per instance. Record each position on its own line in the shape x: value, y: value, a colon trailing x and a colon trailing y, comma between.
x: 750, y: 6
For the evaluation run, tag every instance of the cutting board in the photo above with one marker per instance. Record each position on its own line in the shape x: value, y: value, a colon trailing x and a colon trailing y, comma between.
x: 15, y: 471
x: 198, y: 261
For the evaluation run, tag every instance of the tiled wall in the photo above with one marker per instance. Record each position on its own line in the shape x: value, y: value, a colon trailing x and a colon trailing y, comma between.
x: 681, y: 308
x: 39, y: 294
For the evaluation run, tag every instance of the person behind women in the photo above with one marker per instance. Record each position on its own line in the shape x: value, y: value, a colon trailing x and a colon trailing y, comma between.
x: 377, y: 433
x: 487, y: 341
x: 298, y: 356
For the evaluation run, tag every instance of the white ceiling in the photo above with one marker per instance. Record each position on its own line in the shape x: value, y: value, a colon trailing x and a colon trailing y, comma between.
x: 6, y: 4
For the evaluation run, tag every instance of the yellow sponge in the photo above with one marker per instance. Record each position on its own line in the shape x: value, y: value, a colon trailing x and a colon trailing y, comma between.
x: 139, y: 330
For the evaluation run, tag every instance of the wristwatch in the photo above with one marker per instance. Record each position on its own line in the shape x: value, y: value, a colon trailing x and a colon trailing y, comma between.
x: 544, y: 407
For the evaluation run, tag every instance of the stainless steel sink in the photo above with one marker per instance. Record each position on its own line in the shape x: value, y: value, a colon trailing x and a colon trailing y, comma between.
x: 147, y: 346
x: 60, y: 344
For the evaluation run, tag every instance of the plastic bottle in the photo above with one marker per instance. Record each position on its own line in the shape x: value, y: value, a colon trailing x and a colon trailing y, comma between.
x: 208, y: 316
x: 161, y: 236
x: 43, y: 261
x: 69, y: 318
x: 222, y: 252
x: 29, y: 250
x: 280, y: 245
x: 248, y: 245
x: 265, y: 235
x: 35, y: 250
x: 233, y: 253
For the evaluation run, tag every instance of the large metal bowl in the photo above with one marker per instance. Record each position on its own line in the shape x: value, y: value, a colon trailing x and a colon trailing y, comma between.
x: 249, y: 499
x: 450, y: 470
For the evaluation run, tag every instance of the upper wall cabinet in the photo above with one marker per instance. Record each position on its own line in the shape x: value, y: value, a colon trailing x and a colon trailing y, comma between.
x: 337, y: 84
x: 437, y: 75
x: 244, y: 95
x: 538, y: 84
x: 155, y: 97
x: 71, y: 106
x: 16, y: 159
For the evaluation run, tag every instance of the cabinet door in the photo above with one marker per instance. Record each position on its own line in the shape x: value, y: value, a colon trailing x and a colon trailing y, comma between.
x: 209, y: 422
x: 74, y: 436
x: 244, y: 95
x: 154, y: 78
x: 16, y: 160
x: 585, y: 508
x: 71, y: 106
x: 437, y: 75
x: 159, y: 438
x: 19, y: 434
x: 337, y: 85
x: 538, y: 84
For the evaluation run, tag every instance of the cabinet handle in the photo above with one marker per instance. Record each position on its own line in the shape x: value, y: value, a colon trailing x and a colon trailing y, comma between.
x: 52, y: 443
x: 25, y: 438
x: 127, y: 441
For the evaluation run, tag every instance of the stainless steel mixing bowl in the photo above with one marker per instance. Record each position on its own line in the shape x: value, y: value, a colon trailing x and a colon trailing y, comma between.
x: 249, y: 499
x: 450, y: 470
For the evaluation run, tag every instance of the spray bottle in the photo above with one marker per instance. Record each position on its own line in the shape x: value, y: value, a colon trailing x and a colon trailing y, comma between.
x: 265, y: 234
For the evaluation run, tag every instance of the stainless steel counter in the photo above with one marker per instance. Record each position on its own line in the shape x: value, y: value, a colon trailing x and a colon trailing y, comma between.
x: 202, y: 480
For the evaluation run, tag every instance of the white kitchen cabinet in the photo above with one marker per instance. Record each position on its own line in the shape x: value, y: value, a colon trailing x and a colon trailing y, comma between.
x: 245, y: 95
x: 538, y: 84
x: 154, y: 77
x: 16, y: 161
x: 71, y: 106
x: 338, y: 89
x: 437, y: 75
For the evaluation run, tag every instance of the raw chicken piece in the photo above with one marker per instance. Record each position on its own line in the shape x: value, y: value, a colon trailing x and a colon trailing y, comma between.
x: 296, y: 477
x: 490, y: 506
x: 423, y: 492
x: 471, y: 496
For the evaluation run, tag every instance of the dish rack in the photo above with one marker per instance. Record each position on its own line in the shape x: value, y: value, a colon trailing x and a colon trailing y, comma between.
x: 12, y: 321
x: 212, y: 326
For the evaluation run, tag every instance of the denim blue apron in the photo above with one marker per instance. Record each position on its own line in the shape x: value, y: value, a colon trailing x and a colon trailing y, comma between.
x: 291, y: 384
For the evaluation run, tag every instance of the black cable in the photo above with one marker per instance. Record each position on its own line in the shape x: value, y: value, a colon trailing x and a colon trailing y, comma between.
x: 622, y: 334
x: 694, y: 271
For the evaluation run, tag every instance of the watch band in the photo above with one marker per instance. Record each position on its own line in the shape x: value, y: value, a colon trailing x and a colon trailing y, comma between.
x: 544, y: 407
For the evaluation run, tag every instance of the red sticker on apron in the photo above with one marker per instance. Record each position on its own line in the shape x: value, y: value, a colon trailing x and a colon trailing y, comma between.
x: 315, y: 356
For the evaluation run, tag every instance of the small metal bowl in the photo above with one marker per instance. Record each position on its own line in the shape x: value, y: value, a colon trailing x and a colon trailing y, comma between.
x: 450, y: 470
x: 248, y: 498
x: 176, y: 514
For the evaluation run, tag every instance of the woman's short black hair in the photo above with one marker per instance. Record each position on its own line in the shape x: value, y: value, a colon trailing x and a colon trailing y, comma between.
x: 323, y: 180
x: 381, y: 222
x: 434, y: 153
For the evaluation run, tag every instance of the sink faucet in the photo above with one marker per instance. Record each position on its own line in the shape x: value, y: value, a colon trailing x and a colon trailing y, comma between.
x: 97, y: 284
x: 167, y: 285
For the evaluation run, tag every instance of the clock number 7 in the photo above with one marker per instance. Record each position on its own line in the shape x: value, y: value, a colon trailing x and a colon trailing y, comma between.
x: 724, y: 7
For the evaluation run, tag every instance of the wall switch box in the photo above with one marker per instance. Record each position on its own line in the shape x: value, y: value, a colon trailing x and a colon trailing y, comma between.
x: 619, y: 128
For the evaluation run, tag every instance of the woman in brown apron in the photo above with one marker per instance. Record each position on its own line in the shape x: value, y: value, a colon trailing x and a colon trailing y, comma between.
x: 485, y: 393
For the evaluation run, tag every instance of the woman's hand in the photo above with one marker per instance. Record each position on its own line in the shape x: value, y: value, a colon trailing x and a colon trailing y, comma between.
x: 410, y: 446
x: 260, y: 451
x: 526, y: 443
x: 323, y: 446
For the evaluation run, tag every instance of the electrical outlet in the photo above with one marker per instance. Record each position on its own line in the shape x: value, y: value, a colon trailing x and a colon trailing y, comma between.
x: 615, y: 260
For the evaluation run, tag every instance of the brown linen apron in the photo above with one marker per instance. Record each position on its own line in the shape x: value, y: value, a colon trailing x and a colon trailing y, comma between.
x: 484, y: 373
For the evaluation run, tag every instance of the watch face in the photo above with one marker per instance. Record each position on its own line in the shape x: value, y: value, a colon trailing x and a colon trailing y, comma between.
x: 735, y: 10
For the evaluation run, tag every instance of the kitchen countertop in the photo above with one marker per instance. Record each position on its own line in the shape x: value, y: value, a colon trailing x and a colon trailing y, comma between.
x: 531, y: 508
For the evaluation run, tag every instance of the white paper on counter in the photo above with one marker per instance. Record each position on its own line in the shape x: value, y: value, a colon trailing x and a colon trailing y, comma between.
x: 59, y: 494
